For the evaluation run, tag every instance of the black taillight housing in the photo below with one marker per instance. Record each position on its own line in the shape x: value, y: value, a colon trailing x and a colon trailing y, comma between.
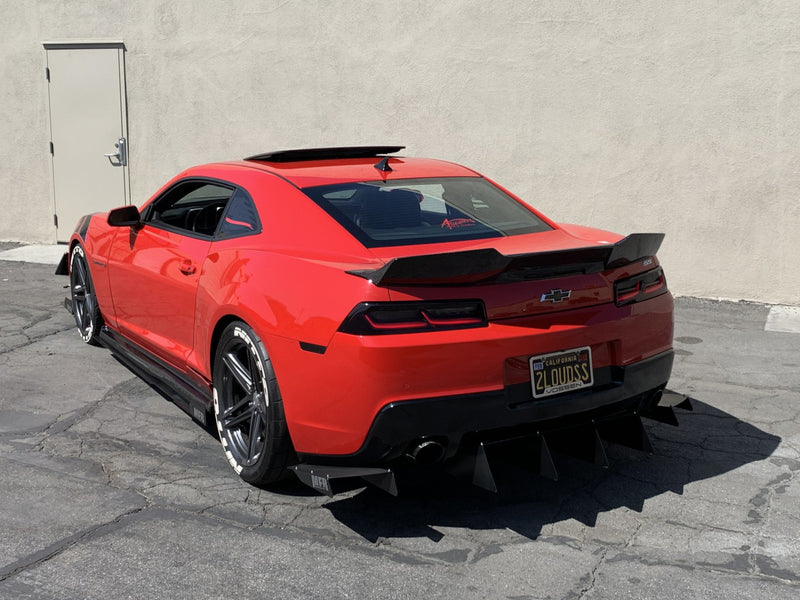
x: 640, y: 287
x: 379, y: 318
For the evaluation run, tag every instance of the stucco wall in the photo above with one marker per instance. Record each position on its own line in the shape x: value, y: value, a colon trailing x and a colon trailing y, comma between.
x: 681, y: 117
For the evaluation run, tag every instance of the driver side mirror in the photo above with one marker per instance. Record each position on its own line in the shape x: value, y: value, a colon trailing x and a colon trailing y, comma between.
x: 125, y: 216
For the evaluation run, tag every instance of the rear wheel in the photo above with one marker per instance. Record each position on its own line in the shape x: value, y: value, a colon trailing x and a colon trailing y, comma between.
x: 84, y: 301
x: 248, y: 408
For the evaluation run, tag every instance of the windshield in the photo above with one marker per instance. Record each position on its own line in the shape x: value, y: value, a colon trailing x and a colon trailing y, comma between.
x: 424, y: 211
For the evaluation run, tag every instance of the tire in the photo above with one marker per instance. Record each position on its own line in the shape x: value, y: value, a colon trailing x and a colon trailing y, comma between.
x: 248, y: 408
x: 84, y: 300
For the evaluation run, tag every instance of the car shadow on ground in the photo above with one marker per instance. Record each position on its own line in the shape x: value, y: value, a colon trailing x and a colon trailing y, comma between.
x: 708, y: 443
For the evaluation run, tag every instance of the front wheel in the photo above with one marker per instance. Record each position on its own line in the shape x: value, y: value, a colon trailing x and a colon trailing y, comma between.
x: 248, y: 407
x: 84, y: 301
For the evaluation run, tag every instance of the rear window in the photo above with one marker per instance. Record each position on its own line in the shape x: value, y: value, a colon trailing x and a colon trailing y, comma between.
x: 423, y: 211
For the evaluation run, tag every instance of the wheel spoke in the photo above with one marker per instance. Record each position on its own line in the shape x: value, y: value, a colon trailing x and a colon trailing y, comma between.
x: 232, y: 422
x: 80, y: 272
x: 85, y: 315
x: 254, y: 372
x: 228, y: 412
x: 89, y: 302
x: 256, y: 427
x: 78, y: 310
x: 239, y: 371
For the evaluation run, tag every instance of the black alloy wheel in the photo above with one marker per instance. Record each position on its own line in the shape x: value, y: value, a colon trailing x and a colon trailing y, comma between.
x: 84, y: 301
x: 248, y: 407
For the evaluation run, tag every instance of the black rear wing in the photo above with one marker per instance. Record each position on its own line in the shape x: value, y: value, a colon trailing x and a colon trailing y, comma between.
x: 488, y: 265
x: 282, y: 156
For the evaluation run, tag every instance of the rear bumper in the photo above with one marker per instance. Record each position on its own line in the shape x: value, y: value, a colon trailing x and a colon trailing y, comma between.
x: 334, y: 398
x: 618, y: 391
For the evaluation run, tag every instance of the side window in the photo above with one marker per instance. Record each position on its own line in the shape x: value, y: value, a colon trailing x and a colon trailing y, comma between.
x: 241, y: 217
x: 192, y: 206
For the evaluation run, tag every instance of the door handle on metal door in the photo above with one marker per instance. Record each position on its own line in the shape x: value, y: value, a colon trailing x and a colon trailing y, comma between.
x: 187, y: 268
x: 121, y: 155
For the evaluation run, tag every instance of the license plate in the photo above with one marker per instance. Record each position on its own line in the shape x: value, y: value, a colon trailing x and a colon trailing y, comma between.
x: 560, y: 372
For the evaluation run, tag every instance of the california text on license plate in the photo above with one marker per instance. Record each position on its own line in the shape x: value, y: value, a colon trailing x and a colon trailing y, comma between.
x: 560, y: 372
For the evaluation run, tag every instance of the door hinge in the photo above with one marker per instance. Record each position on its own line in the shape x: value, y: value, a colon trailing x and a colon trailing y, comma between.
x: 47, y: 73
x: 55, y: 220
x: 52, y: 150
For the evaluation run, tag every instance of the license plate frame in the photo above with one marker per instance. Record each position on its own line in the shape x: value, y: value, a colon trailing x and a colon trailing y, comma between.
x: 559, y: 372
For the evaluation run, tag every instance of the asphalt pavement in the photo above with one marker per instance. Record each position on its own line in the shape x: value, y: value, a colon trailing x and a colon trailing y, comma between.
x: 108, y: 490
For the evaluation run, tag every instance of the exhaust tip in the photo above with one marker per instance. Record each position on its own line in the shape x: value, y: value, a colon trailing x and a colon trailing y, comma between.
x: 426, y: 451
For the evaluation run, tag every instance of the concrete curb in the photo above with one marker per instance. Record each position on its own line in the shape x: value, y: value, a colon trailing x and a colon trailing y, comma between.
x: 46, y: 254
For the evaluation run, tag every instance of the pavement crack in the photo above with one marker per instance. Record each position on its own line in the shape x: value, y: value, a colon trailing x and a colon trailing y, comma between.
x: 107, y: 471
x: 591, y: 577
x: 32, y: 339
x: 294, y: 519
x: 761, y: 506
x: 64, y: 423
x: 42, y: 556
x: 761, y: 503
x: 629, y: 542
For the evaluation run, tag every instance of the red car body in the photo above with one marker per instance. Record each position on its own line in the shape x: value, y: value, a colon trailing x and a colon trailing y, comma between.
x: 295, y: 275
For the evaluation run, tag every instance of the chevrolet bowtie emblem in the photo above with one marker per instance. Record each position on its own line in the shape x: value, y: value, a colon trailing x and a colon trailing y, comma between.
x: 555, y: 296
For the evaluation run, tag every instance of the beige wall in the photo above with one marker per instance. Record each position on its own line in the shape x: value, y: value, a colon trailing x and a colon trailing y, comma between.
x: 679, y: 116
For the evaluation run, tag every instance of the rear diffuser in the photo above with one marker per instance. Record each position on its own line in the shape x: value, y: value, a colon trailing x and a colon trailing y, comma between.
x: 533, y: 452
x: 663, y: 412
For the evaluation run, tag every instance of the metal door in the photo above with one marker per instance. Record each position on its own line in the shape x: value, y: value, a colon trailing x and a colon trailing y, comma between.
x: 88, y: 131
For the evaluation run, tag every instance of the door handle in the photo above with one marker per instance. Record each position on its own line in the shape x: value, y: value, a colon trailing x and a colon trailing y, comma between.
x: 187, y: 268
x: 121, y: 155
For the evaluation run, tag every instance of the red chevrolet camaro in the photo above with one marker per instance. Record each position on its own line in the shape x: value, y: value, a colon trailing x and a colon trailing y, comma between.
x: 337, y: 311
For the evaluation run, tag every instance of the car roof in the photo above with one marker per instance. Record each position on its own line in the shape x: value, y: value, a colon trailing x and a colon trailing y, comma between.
x: 324, y: 166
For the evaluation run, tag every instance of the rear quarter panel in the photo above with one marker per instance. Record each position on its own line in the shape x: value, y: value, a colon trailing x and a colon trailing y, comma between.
x: 288, y: 281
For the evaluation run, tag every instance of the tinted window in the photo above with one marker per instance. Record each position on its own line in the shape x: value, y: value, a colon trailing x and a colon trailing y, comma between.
x: 194, y: 206
x: 421, y: 211
x: 205, y: 208
x: 241, y: 216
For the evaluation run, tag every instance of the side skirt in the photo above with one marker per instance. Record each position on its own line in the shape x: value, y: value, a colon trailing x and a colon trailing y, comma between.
x: 192, y: 396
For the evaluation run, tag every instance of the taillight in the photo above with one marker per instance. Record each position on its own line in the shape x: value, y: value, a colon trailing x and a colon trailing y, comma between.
x: 640, y: 287
x: 375, y: 318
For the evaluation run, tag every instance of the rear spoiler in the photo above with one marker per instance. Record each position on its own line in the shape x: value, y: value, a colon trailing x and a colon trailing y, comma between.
x: 487, y: 265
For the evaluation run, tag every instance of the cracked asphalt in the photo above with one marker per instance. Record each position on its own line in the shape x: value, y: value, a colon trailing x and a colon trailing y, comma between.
x: 108, y: 490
